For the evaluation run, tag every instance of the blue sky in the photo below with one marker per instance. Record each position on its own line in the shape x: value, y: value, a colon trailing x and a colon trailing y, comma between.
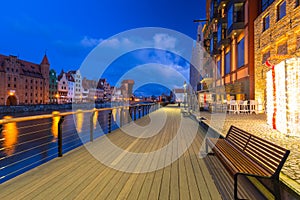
x: 69, y: 30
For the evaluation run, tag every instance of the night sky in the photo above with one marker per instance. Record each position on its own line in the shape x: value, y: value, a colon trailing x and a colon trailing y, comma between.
x: 69, y: 30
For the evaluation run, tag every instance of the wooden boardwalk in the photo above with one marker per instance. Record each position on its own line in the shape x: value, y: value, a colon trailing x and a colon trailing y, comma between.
x: 78, y: 175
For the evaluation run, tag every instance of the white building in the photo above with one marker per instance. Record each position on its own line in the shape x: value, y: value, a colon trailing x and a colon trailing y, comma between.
x: 71, y: 88
x: 78, y: 90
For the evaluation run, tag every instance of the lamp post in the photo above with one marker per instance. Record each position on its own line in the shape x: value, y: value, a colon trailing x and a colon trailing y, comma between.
x: 184, y: 94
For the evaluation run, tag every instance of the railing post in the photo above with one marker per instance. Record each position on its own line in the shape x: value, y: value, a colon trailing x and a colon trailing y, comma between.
x: 143, y: 111
x: 92, y: 126
x: 121, y: 117
x: 109, y: 121
x: 139, y: 107
x: 59, y: 137
x: 134, y: 113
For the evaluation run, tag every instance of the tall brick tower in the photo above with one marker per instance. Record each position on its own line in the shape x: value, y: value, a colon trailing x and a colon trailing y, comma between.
x: 45, y: 66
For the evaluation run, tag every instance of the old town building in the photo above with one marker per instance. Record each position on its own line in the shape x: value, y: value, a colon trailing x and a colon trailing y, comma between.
x: 277, y: 37
x: 62, y: 88
x: 229, y: 38
x: 23, y: 82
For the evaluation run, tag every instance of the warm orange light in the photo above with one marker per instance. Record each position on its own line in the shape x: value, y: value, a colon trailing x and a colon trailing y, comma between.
x: 57, y: 95
x: 11, y: 94
x: 10, y: 133
x: 95, y: 97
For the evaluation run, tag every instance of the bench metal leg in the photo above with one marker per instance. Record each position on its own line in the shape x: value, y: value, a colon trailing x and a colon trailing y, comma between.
x: 277, y: 189
x: 235, y: 186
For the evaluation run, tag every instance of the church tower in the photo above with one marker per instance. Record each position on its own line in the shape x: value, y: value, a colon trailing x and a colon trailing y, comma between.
x: 45, y: 66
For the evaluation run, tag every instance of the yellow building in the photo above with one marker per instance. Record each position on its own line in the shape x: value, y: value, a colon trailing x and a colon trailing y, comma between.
x: 277, y: 37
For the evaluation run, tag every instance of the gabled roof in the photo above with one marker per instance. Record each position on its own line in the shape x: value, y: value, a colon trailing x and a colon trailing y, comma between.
x: 45, y: 60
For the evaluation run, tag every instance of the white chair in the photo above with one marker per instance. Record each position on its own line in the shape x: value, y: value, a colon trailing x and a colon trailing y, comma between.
x: 244, y: 107
x: 233, y: 107
x: 253, y: 106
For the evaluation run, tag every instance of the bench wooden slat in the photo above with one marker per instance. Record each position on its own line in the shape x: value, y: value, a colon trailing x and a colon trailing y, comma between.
x: 244, y: 153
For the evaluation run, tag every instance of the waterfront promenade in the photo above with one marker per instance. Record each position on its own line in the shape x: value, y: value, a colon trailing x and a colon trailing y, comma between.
x: 78, y: 175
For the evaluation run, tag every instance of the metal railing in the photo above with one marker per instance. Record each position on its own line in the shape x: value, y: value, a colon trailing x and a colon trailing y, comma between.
x: 27, y: 142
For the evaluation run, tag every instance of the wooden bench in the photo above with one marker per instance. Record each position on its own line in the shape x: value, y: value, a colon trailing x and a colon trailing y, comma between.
x: 245, y: 154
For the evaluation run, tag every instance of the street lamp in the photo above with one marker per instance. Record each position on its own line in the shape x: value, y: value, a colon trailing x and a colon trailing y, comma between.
x: 184, y: 94
x: 57, y: 96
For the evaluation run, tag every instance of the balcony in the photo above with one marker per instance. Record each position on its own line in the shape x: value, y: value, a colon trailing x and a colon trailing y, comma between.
x: 223, y: 42
x: 235, y: 17
x: 235, y: 28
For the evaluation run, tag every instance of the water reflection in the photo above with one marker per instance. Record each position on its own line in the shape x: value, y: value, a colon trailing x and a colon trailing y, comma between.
x: 55, y: 120
x: 10, y: 134
x: 95, y: 117
x: 79, y: 120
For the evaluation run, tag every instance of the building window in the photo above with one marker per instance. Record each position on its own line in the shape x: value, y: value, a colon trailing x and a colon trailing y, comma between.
x: 8, y: 85
x: 25, y: 86
x: 219, y: 69
x: 15, y: 79
x: 219, y: 33
x: 297, y: 3
x: 227, y: 63
x: 282, y: 49
x: 265, y: 4
x: 15, y: 86
x: 26, y: 94
x: 230, y: 16
x: 266, y: 22
x: 265, y: 57
x: 281, y: 10
x: 241, y: 53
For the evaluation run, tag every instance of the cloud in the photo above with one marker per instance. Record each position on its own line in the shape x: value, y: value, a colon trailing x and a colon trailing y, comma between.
x: 90, y: 42
x: 164, y: 41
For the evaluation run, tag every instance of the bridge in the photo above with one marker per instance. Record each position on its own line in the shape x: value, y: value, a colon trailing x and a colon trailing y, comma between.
x: 99, y: 170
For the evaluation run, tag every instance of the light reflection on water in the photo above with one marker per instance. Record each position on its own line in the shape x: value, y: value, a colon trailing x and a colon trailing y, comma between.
x: 55, y: 120
x: 10, y: 134
x: 95, y: 119
x: 79, y: 120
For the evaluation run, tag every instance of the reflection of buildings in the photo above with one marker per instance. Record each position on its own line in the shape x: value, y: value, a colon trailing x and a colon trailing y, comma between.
x: 277, y: 37
x: 126, y: 88
x: 23, y: 82
x: 229, y: 38
x: 53, y: 95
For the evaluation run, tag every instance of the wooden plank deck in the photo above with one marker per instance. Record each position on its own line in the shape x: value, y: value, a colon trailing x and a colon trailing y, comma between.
x: 78, y: 175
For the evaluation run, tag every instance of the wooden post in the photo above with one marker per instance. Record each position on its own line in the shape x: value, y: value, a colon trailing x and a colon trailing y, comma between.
x: 59, y: 137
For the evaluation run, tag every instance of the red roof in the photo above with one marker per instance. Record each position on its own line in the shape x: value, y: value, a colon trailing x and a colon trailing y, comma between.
x: 45, y: 60
x: 27, y: 68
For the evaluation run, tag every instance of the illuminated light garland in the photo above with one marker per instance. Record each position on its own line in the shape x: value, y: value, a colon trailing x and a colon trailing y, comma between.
x: 283, y: 99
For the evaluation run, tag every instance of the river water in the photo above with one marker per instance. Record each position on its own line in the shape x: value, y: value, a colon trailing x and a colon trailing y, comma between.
x: 26, y: 145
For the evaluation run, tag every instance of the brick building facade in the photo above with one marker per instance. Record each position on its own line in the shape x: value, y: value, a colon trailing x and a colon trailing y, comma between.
x: 23, y: 82
x: 277, y: 37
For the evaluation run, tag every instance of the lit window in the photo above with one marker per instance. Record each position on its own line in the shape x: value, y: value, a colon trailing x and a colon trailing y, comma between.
x: 281, y: 10
x: 241, y: 53
x: 266, y: 22
x: 227, y: 63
